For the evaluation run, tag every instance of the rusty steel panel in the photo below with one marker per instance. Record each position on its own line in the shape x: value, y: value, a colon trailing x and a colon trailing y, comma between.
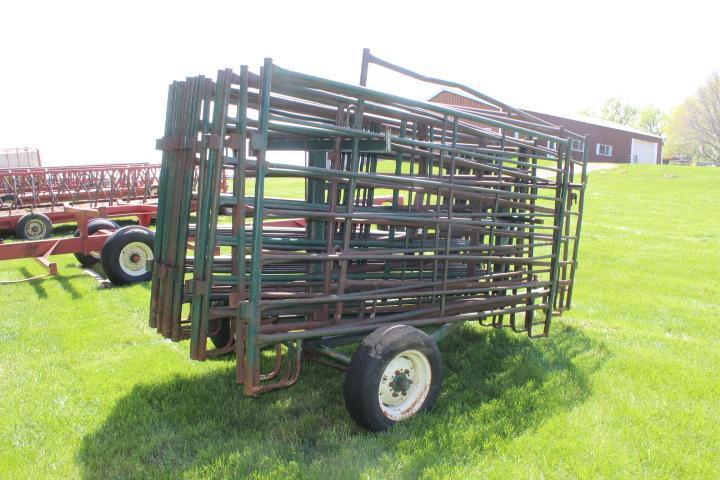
x: 478, y: 221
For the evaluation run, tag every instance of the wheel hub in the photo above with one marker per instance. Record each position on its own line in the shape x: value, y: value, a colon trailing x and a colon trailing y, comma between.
x: 404, y: 384
x: 35, y: 229
x: 401, y: 382
x: 134, y: 257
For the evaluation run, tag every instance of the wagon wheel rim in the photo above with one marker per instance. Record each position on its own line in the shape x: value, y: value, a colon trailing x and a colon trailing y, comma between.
x: 404, y: 385
x: 35, y: 229
x: 134, y: 257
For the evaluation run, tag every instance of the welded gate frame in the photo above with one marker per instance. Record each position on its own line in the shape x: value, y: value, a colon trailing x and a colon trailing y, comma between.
x: 197, y: 131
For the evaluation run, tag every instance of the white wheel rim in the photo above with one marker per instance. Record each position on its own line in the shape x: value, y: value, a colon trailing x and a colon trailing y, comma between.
x: 134, y: 257
x: 404, y: 385
x: 35, y: 229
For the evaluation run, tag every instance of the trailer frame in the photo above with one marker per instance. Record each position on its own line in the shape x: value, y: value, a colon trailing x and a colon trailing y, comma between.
x: 41, y: 250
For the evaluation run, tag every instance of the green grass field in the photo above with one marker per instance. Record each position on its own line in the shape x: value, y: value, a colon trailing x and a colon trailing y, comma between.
x: 627, y: 385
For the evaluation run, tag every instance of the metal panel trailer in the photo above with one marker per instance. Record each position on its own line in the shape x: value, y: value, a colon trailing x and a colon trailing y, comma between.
x: 489, y: 230
x: 31, y: 199
x: 124, y: 252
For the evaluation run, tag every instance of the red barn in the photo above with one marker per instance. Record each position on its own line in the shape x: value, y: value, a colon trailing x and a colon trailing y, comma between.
x: 608, y: 141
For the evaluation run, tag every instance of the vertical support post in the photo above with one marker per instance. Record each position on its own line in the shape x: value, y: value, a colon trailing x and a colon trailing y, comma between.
x: 238, y: 226
x: 350, y: 196
x: 451, y: 201
x: 206, y: 225
x: 259, y: 145
x: 562, y: 183
x: 159, y: 255
x: 578, y: 227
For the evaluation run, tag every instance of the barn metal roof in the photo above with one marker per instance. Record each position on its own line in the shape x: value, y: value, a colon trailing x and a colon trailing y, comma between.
x: 570, y: 116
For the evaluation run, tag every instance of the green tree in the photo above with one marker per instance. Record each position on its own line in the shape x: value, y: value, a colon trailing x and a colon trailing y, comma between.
x: 694, y: 127
x: 616, y: 110
x: 652, y: 120
x: 703, y: 120
x: 679, y: 141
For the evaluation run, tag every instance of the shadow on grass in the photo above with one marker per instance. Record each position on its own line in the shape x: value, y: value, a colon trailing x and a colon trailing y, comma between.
x: 36, y: 284
x: 66, y: 284
x: 64, y: 281
x: 497, y: 385
x: 98, y: 268
x: 64, y: 229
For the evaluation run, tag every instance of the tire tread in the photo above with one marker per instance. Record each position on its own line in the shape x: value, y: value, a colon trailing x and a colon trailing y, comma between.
x: 369, y: 362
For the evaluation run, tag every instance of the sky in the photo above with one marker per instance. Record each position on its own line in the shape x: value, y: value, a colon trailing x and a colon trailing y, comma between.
x: 86, y: 82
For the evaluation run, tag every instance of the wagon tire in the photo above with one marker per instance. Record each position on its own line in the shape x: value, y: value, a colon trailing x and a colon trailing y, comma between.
x: 222, y: 334
x: 395, y: 373
x: 126, y: 254
x: 94, y: 226
x: 34, y: 226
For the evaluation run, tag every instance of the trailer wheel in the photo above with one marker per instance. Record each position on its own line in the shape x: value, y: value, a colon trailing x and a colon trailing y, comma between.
x: 126, y: 254
x: 220, y: 328
x: 395, y: 373
x: 34, y: 226
x: 222, y: 334
x: 93, y: 226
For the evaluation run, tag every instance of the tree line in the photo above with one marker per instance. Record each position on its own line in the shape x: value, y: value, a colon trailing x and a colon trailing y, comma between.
x: 691, y: 129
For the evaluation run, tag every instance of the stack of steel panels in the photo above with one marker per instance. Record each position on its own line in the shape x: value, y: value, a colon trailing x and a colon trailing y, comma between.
x: 481, y: 223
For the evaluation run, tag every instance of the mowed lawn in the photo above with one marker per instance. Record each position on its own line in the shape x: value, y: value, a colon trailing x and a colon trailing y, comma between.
x: 627, y: 385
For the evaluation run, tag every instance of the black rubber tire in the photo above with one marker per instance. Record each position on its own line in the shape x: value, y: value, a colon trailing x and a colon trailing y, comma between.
x: 363, y: 376
x: 34, y: 226
x: 94, y: 225
x: 221, y: 327
x: 112, y: 253
x: 7, y: 200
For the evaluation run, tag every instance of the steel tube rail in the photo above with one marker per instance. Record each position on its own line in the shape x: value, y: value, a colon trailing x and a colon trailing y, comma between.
x: 480, y: 96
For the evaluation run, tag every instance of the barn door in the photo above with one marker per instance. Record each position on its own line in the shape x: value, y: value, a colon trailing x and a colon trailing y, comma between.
x: 643, y: 152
